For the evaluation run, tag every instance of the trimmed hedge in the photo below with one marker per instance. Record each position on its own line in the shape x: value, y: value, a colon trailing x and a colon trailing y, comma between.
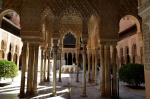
x: 132, y: 74
x: 8, y: 69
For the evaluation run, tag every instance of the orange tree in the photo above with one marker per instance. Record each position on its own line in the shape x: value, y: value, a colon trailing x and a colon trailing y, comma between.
x: 8, y: 69
x: 132, y: 74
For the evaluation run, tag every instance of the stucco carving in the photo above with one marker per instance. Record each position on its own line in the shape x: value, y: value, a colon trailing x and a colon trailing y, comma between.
x: 143, y: 6
x: 146, y: 39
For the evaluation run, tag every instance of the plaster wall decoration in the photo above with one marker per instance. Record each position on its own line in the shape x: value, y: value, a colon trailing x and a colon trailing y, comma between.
x: 143, y: 6
x: 146, y: 20
x: 146, y: 39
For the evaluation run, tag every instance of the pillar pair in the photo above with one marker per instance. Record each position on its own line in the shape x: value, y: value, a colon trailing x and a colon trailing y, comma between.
x: 44, y: 54
x: 105, y: 76
x: 32, y: 63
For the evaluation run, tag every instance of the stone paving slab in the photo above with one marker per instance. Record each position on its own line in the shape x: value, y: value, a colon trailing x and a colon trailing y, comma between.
x: 68, y: 89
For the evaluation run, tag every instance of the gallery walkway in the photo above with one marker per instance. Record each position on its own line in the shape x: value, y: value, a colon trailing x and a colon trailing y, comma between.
x: 68, y: 89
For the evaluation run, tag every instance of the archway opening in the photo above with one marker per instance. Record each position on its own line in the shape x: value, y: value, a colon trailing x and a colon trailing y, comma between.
x: 9, y: 53
x: 70, y: 61
x: 127, y: 55
x: 10, y: 21
x: 69, y: 45
x: 134, y: 53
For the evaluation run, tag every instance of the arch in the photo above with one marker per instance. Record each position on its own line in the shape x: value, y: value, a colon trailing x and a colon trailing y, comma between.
x: 136, y: 20
x: 4, y: 12
x: 69, y: 41
x: 71, y: 10
x: 71, y: 32
x: 47, y: 11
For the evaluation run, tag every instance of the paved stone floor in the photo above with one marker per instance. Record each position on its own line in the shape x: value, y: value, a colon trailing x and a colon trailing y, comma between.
x: 68, y: 89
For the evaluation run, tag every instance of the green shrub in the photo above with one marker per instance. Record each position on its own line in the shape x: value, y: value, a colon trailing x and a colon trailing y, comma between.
x: 8, y: 69
x: 132, y: 74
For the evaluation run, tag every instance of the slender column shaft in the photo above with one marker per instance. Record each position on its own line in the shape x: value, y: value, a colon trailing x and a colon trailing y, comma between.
x: 30, y: 70
x: 107, y: 71
x: 54, y: 69
x: 89, y: 66
x: 35, y: 70
x: 67, y: 58
x: 1, y: 54
x: 72, y: 57
x: 96, y: 67
x: 12, y: 56
x: 45, y: 65
x: 102, y: 71
x: 131, y: 58
x: 114, y: 90
x: 84, y: 73
x: 77, y: 70
x: 5, y: 55
x: 41, y: 73
x: 48, y: 67
x: 93, y: 67
x: 18, y: 59
x: 23, y: 69
x: 60, y: 66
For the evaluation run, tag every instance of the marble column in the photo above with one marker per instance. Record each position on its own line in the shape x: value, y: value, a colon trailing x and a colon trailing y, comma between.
x: 67, y: 58
x: 5, y: 55
x: 102, y: 71
x: 96, y: 66
x: 77, y: 63
x: 89, y: 66
x: 41, y: 70
x: 84, y: 73
x: 107, y: 71
x: 72, y: 57
x: 60, y: 52
x: 48, y: 67
x: 12, y: 56
x: 18, y: 59
x: 93, y: 67
x: 45, y: 53
x: 35, y: 69
x: 131, y: 58
x: 54, y: 69
x: 30, y: 70
x: 1, y: 54
x: 114, y: 69
x: 23, y: 70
